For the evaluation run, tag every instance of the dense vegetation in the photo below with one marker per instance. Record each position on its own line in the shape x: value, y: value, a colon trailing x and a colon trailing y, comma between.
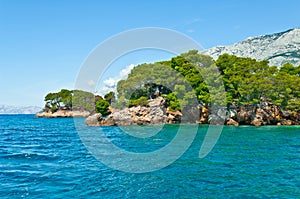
x: 102, y: 107
x: 78, y: 100
x: 245, y: 80
x: 190, y: 80
x: 178, y: 80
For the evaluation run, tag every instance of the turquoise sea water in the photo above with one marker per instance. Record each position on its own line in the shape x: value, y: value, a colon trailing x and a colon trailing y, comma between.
x: 45, y: 158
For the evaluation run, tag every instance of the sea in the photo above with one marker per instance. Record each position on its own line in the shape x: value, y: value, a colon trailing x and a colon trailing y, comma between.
x: 51, y: 158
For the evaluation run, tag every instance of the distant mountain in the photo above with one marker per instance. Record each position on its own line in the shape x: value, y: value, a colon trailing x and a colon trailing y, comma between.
x: 6, y: 109
x: 278, y: 48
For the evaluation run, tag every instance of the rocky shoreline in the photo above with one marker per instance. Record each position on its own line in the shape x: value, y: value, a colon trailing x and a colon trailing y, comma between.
x: 62, y: 114
x: 263, y: 113
x: 156, y: 112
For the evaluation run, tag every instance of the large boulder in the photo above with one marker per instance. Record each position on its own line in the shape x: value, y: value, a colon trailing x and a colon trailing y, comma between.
x: 122, y: 117
x: 94, y: 120
x: 173, y: 117
x: 231, y: 122
x: 108, y: 121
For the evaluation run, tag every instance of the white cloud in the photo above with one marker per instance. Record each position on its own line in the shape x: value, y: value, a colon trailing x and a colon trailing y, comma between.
x: 102, y: 91
x: 110, y: 84
x: 91, y: 82
x: 124, y: 72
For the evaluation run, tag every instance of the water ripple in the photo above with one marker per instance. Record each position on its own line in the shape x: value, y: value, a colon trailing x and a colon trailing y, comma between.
x: 44, y: 158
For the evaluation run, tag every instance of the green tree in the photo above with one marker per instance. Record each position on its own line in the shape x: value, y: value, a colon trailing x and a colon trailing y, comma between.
x: 102, y: 107
x: 52, y: 101
x: 65, y: 97
x: 110, y: 97
x: 83, y: 100
x: 172, y: 102
x: 245, y: 79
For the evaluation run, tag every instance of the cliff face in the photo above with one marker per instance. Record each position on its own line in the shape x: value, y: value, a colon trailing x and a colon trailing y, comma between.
x: 278, y: 48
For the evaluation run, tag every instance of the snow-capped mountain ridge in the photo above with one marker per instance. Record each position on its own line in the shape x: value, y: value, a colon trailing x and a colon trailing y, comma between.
x: 278, y: 48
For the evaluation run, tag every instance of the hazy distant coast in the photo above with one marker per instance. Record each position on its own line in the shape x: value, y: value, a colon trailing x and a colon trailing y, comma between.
x: 7, y: 109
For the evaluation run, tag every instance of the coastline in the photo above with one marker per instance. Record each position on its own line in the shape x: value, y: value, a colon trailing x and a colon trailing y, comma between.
x: 264, y: 113
x: 62, y: 114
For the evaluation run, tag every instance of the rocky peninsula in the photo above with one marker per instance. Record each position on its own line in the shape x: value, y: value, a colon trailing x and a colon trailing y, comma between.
x: 62, y: 113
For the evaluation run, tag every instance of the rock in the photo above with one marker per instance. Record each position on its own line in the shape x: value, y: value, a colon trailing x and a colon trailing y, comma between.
x: 231, y: 122
x: 260, y: 118
x: 157, y: 115
x: 222, y: 113
x: 93, y: 120
x: 264, y: 113
x: 170, y: 118
x: 256, y: 122
x: 122, y: 117
x: 157, y: 111
x: 244, y: 114
x: 286, y: 114
x: 204, y: 113
x: 287, y: 122
x: 218, y: 115
x: 156, y: 102
x: 232, y: 113
x: 215, y: 120
x: 153, y: 113
x: 80, y: 113
x: 173, y: 117
x: 62, y: 113
x: 43, y: 115
x: 295, y: 117
x: 108, y: 121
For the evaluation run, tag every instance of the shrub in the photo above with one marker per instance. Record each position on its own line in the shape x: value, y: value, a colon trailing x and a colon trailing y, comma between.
x: 142, y: 101
x: 102, y: 107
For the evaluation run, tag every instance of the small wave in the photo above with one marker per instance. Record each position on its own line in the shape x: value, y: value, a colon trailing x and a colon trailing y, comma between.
x: 33, y: 156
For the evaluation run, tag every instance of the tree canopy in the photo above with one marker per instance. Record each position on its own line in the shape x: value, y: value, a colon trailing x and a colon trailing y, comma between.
x: 102, y: 107
x: 247, y: 80
x: 192, y: 79
x: 241, y: 81
x: 78, y: 100
x: 180, y: 80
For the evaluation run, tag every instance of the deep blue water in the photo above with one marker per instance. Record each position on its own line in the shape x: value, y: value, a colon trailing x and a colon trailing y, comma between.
x: 45, y: 158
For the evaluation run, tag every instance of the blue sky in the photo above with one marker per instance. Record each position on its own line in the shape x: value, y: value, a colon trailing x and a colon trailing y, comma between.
x: 43, y: 43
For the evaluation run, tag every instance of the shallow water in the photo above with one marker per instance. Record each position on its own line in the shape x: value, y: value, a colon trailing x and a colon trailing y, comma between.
x: 45, y: 158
